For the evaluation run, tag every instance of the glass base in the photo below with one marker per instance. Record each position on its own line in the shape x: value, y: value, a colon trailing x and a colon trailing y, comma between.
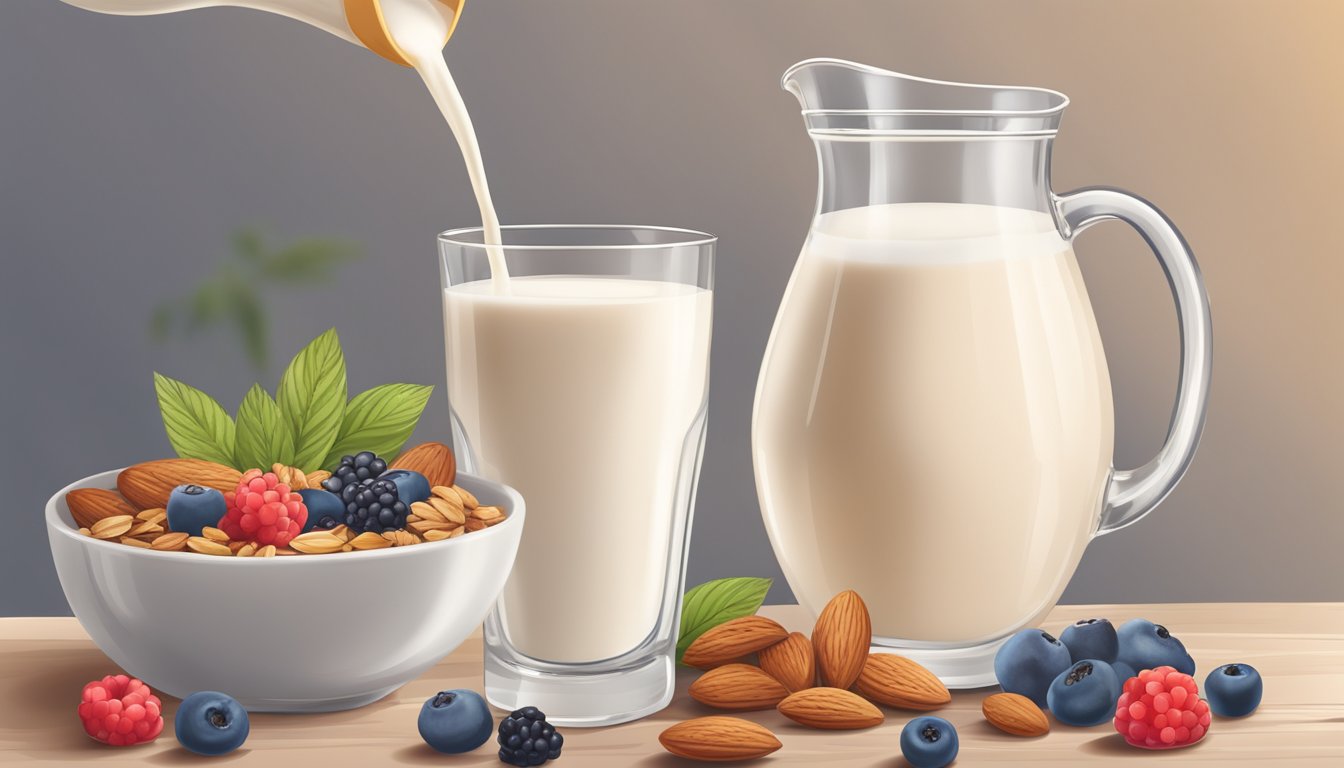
x: 582, y: 700
x: 958, y: 668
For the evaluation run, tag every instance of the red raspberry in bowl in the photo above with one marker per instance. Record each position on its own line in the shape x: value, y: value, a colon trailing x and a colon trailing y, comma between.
x: 1161, y: 709
x: 121, y: 711
x: 263, y: 510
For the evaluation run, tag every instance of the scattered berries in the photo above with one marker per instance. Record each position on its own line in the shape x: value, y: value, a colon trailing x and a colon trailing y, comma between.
x: 121, y: 711
x: 1145, y: 645
x: 1029, y: 662
x: 1091, y: 639
x: 211, y: 723
x: 411, y: 485
x: 525, y: 738
x: 263, y: 510
x: 455, y: 721
x: 1234, y: 690
x: 1084, y: 695
x: 929, y: 742
x: 325, y: 509
x: 353, y: 470
x: 192, y: 507
x: 1161, y: 709
x: 373, y: 505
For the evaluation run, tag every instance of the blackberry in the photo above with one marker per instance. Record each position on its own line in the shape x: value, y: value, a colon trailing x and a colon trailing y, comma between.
x: 373, y: 505
x: 525, y: 738
x: 353, y: 470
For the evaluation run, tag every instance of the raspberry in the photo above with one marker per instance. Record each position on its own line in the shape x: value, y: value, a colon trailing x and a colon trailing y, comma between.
x: 263, y: 510
x: 1161, y: 709
x: 121, y: 711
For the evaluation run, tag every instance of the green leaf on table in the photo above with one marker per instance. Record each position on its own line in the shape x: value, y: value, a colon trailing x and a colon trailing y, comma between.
x: 379, y: 420
x: 263, y: 438
x: 312, y: 399
x: 714, y: 602
x: 197, y: 426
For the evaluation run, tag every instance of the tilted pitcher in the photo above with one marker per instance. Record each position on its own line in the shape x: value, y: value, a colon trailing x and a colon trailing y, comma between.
x: 933, y: 423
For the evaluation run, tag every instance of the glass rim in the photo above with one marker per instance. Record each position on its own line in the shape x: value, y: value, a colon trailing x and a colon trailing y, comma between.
x: 689, y: 237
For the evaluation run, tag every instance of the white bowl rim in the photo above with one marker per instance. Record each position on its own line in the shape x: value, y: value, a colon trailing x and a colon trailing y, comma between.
x: 513, y: 517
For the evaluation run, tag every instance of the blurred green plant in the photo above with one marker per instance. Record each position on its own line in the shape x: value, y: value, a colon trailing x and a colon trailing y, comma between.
x: 233, y: 297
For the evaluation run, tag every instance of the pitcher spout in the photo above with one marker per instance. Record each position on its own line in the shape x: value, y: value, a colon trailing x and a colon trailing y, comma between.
x: 846, y: 98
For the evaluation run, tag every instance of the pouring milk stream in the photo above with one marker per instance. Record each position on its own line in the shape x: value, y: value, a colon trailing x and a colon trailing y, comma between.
x: 408, y: 32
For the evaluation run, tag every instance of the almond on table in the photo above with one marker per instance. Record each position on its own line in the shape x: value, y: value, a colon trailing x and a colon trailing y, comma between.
x: 899, y: 682
x: 732, y: 640
x: 830, y: 709
x: 719, y: 739
x: 739, y: 687
x: 841, y: 638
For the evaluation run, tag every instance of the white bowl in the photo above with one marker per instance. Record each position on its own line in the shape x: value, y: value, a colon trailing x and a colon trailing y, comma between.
x: 306, y: 633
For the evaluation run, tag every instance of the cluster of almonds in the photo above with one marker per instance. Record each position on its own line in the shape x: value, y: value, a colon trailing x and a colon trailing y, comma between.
x: 134, y: 514
x: 828, y: 681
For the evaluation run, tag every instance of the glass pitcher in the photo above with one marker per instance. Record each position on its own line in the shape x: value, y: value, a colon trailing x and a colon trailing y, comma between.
x: 933, y: 424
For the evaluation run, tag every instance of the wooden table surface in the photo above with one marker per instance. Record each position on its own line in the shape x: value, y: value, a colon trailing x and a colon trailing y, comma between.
x: 1298, y: 648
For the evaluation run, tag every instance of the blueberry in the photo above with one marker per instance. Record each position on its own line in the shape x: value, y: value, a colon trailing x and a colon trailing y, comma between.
x: 455, y: 721
x: 1233, y: 690
x: 929, y: 742
x: 1123, y: 671
x: 411, y: 485
x: 1091, y: 639
x: 1084, y: 694
x: 191, y: 508
x: 1145, y: 645
x: 211, y: 723
x: 1028, y: 662
x: 325, y: 510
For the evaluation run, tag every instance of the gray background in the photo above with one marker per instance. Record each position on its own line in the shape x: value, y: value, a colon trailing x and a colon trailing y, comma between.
x: 130, y: 148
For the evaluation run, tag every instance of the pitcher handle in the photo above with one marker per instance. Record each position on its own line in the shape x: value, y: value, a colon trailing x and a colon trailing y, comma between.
x: 1134, y: 493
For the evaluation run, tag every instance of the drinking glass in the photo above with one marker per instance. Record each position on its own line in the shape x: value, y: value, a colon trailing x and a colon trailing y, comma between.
x: 582, y: 381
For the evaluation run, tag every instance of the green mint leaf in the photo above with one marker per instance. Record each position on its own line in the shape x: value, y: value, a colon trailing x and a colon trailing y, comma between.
x: 197, y: 426
x: 263, y: 437
x: 312, y: 399
x: 714, y: 602
x: 379, y: 420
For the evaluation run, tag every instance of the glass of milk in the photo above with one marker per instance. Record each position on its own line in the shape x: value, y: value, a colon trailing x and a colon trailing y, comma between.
x: 582, y: 381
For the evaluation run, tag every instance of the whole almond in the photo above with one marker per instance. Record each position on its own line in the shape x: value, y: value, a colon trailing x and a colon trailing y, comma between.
x: 433, y: 460
x: 89, y: 505
x: 830, y: 708
x: 1015, y: 714
x: 791, y: 662
x: 732, y: 640
x: 148, y: 485
x: 719, y: 739
x: 899, y: 682
x: 841, y: 638
x: 738, y: 687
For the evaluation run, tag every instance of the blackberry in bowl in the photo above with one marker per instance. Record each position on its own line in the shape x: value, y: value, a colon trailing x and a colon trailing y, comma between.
x: 373, y: 505
x: 353, y: 470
